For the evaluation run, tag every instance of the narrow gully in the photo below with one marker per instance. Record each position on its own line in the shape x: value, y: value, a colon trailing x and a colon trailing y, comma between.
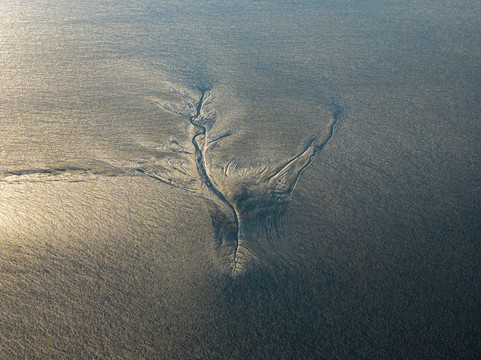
x: 200, y: 130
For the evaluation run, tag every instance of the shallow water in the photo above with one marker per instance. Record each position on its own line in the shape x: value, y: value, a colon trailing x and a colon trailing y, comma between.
x: 335, y: 144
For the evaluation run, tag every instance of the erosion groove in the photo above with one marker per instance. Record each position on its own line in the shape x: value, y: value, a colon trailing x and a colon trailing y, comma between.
x: 200, y: 131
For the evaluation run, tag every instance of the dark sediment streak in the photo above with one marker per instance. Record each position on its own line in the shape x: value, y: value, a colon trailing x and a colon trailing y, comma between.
x: 337, y: 112
x: 72, y: 173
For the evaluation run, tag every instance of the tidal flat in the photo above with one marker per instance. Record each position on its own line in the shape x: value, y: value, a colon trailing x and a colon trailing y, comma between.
x: 243, y: 180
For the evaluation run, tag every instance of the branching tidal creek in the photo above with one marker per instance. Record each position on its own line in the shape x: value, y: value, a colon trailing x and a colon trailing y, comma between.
x: 246, y: 205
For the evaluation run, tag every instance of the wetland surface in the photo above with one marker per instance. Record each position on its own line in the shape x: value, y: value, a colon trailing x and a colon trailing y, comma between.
x: 243, y: 180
